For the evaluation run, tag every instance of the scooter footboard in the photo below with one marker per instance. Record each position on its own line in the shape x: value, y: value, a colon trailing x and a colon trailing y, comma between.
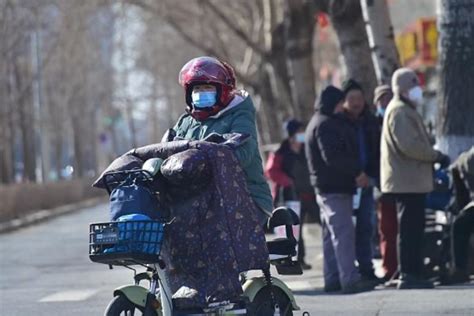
x: 253, y: 285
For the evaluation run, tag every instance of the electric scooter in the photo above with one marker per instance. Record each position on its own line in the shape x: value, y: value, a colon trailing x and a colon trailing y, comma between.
x: 138, y: 243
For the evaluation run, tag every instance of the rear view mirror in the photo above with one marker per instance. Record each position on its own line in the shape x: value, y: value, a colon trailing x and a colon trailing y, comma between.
x: 152, y: 166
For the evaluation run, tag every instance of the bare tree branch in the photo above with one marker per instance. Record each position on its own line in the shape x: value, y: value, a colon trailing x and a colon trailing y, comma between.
x: 232, y: 26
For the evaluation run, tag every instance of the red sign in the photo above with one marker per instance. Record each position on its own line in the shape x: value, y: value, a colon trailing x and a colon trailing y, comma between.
x: 428, y: 41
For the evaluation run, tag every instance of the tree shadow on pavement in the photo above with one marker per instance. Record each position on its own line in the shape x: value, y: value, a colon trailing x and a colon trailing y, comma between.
x: 463, y: 286
x: 312, y: 292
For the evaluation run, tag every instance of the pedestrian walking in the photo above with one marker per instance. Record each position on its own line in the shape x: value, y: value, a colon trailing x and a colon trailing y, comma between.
x: 288, y: 171
x: 407, y: 159
x: 333, y: 160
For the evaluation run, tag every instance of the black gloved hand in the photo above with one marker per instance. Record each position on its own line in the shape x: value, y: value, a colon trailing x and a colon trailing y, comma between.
x: 169, y: 135
x: 443, y: 160
x: 214, y: 138
x: 160, y: 150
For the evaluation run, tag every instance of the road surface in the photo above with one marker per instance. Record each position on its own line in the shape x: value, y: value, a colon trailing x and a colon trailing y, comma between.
x: 45, y: 270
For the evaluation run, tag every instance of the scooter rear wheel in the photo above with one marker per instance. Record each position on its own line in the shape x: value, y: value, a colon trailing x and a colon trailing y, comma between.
x: 262, y: 303
x: 121, y: 306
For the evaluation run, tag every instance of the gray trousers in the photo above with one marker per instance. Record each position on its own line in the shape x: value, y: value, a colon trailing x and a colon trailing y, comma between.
x: 338, y: 239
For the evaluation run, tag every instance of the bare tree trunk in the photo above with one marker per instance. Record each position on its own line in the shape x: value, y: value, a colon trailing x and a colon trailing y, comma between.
x: 270, y: 118
x: 275, y: 61
x: 26, y: 123
x: 279, y: 77
x: 78, y: 139
x: 7, y: 129
x: 93, y: 141
x: 346, y: 16
x: 58, y: 156
x: 6, y: 152
x: 131, y: 123
x: 456, y: 113
x: 381, y: 39
x: 299, y: 41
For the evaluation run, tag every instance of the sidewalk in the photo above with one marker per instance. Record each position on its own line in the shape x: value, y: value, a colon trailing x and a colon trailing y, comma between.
x: 43, y: 215
x: 308, y: 288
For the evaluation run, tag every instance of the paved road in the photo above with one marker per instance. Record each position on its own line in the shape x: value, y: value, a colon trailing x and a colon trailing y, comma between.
x: 45, y: 271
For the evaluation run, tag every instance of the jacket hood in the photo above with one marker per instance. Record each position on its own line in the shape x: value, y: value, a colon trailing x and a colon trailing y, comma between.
x: 241, y: 100
x: 330, y: 97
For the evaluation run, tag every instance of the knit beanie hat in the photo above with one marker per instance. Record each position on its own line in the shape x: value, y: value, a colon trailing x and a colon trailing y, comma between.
x: 403, y: 79
x: 380, y: 91
x: 292, y: 126
x: 330, y: 97
x: 351, y: 84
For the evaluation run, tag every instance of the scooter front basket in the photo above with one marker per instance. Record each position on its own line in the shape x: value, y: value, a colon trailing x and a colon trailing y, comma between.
x: 126, y: 243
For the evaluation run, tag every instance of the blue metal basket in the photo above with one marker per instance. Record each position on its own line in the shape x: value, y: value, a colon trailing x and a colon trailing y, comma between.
x: 126, y: 242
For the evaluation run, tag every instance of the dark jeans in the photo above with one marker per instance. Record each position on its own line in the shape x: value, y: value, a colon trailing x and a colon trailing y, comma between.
x: 411, y: 226
x: 462, y: 229
x: 364, y: 231
x: 308, y: 208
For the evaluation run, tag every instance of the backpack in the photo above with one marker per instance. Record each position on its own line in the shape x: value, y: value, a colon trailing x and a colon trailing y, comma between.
x: 133, y: 197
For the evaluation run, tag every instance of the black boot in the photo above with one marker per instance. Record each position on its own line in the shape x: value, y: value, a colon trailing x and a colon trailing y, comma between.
x: 410, y: 281
x: 369, y: 275
x: 304, y: 265
x: 332, y: 288
x: 458, y: 276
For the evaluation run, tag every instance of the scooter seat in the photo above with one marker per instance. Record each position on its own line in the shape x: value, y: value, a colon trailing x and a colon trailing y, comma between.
x: 282, y: 246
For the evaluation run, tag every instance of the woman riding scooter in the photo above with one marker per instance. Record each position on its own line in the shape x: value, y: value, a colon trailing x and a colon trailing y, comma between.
x: 215, y: 110
x: 214, y: 105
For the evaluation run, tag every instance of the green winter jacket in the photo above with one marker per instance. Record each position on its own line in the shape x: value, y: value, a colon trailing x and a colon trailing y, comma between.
x: 237, y: 117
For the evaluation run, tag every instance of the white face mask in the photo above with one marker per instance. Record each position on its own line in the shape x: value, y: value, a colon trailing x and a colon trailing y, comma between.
x: 415, y: 95
x: 299, y: 137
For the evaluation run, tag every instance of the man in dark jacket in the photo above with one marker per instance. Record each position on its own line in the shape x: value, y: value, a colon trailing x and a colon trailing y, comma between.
x: 368, y: 140
x: 332, y: 153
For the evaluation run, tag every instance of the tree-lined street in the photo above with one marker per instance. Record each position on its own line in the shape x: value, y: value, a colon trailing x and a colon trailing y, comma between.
x: 352, y: 111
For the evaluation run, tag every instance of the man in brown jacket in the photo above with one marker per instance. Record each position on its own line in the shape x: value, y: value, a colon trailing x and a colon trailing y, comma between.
x: 407, y: 159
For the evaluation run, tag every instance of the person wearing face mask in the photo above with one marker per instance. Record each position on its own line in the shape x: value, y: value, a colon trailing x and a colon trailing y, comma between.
x: 214, y: 108
x: 386, y: 207
x: 382, y: 96
x: 407, y: 159
x: 287, y: 169
x: 333, y: 161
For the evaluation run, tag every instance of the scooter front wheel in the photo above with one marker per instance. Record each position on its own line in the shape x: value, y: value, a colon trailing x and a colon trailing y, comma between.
x: 121, y: 306
x: 262, y: 303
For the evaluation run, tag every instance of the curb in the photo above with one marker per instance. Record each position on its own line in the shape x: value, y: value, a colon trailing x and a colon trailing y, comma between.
x: 43, y: 215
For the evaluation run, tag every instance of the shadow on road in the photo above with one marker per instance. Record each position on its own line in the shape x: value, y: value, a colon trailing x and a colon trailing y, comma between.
x: 465, y: 286
x: 311, y: 292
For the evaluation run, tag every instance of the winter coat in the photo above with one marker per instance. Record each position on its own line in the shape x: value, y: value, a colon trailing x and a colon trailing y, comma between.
x: 462, y: 171
x: 237, y: 117
x: 332, y: 152
x: 289, y: 174
x: 372, y: 132
x: 407, y: 156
